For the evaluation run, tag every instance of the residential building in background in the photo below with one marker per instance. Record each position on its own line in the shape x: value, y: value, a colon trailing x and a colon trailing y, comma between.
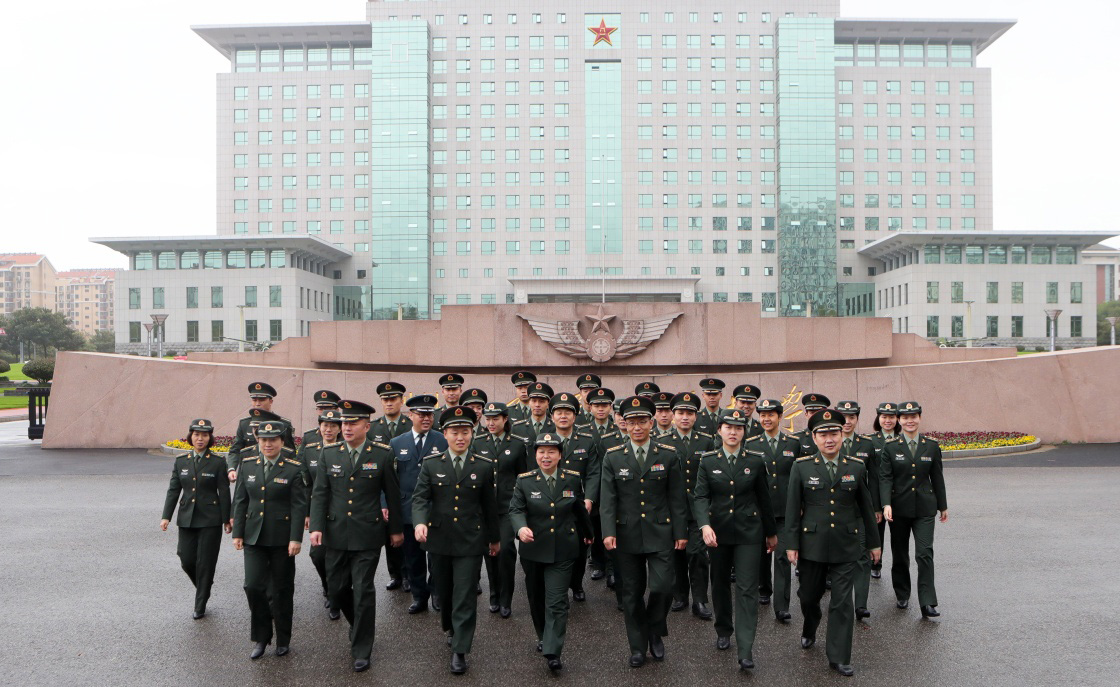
x: 27, y: 280
x: 85, y: 297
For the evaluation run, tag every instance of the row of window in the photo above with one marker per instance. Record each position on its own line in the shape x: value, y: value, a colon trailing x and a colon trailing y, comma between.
x: 272, y: 56
x: 643, y: 17
x: 956, y: 292
x: 217, y: 331
x: 992, y: 328
x: 965, y: 110
x: 313, y: 182
x: 266, y: 115
x: 999, y: 255
x: 310, y: 91
x: 217, y: 298
x: 488, y: 272
x: 871, y: 178
x: 769, y: 298
x: 360, y: 204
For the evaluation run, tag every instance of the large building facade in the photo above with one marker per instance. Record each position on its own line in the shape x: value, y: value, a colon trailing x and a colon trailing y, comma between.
x: 27, y: 280
x: 86, y: 297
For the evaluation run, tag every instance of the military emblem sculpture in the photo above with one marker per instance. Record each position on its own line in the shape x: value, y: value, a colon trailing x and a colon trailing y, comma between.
x: 601, y: 345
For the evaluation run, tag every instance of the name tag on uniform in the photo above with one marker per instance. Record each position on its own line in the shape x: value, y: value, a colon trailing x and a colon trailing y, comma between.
x: 280, y: 480
x: 899, y: 456
x: 534, y: 494
x: 369, y: 466
x: 184, y: 472
x: 336, y: 469
x: 580, y: 450
x: 250, y: 478
x: 568, y: 494
x: 624, y: 472
x: 814, y: 480
x: 207, y: 474
x: 848, y: 478
x: 657, y: 468
x: 861, y: 454
x: 927, y: 459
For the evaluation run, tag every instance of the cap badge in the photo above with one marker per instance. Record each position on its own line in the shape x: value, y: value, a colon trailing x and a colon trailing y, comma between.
x: 458, y: 411
x: 257, y: 387
x: 268, y: 428
x: 635, y: 403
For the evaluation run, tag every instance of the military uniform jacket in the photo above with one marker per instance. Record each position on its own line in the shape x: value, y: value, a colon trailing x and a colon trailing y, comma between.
x: 244, y: 437
x: 527, y: 429
x: 461, y: 512
x: 379, y: 429
x: 582, y: 453
x: 510, y: 455
x: 558, y: 519
x: 311, y: 436
x: 912, y: 485
x: 864, y: 449
x: 202, y: 489
x: 608, y: 438
x: 272, y: 512
x: 309, y: 453
x: 645, y: 509
x: 805, y: 441
x: 347, y: 499
x: 824, y: 518
x: 707, y: 422
x: 778, y: 465
x: 752, y: 429
x: 517, y: 410
x: 408, y: 464
x: 734, y: 501
x: 689, y: 451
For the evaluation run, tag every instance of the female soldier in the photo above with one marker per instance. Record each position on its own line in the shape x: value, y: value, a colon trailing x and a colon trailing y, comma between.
x: 548, y: 513
x: 886, y: 428
x: 913, y: 491
x: 200, y: 476
x: 269, y: 508
x: 733, y: 509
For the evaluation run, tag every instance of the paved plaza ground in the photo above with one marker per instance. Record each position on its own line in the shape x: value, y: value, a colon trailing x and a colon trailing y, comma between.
x: 93, y: 595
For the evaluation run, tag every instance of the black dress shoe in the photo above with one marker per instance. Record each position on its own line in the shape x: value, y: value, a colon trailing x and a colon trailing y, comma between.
x: 732, y: 578
x: 394, y: 583
x: 678, y: 605
x: 361, y: 665
x: 282, y: 651
x: 326, y: 602
x: 458, y: 664
x: 656, y: 648
x: 611, y: 581
x: 494, y: 608
x: 782, y: 616
x: 198, y: 615
x: 540, y: 647
x: 637, y: 660
x: 554, y: 664
x: 618, y: 605
x: 435, y: 602
x: 764, y: 599
x: 930, y: 612
x: 842, y: 668
x: 505, y: 612
x: 579, y: 595
x: 449, y: 640
x: 828, y: 584
x: 478, y: 589
x: 902, y: 603
x: 334, y: 614
x: 807, y: 642
x: 597, y: 574
x: 862, y: 612
x: 417, y: 607
x: 746, y: 664
x: 876, y: 574
x: 723, y: 643
x: 701, y: 610
x: 258, y: 650
x: 406, y: 586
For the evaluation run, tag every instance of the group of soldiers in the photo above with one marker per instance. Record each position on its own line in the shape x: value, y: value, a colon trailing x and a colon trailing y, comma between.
x: 664, y: 494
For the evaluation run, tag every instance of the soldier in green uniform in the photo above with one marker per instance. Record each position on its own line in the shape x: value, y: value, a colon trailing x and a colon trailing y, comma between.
x: 779, y: 451
x: 912, y: 487
x: 708, y: 418
x: 261, y: 396
x: 475, y: 399
x: 886, y: 428
x: 519, y: 406
x: 646, y: 389
x: 455, y: 512
x: 269, y: 514
x: 662, y: 414
x: 691, y: 565
x: 310, y: 453
x: 827, y: 508
x: 324, y: 400
x: 393, y: 422
x: 644, y: 515
x: 746, y: 398
x: 548, y: 513
x: 586, y: 383
x: 813, y: 404
x: 854, y: 445
x: 256, y: 417
x: 355, y: 476
x: 732, y: 507
x: 601, y: 402
x: 200, y: 485
x: 538, y: 421
x: 451, y: 386
x: 580, y: 453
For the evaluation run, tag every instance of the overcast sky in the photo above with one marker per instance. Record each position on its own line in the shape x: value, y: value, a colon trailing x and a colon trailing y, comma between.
x: 109, y: 124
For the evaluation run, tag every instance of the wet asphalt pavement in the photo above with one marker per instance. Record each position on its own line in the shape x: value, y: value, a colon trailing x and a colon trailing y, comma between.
x: 93, y: 594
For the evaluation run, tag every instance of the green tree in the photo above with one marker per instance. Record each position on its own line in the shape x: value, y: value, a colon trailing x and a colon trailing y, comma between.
x: 40, y: 369
x: 1104, y: 329
x: 103, y: 341
x: 44, y: 328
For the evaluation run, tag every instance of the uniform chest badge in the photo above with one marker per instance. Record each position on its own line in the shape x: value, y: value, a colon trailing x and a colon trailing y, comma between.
x: 207, y: 474
x: 250, y: 478
x: 336, y: 469
x: 474, y: 476
x: 404, y: 451
x: 369, y: 466
x: 927, y: 459
x: 313, y: 463
x: 440, y: 475
x: 534, y: 494
x: 848, y: 478
x: 280, y: 480
x: 788, y: 453
x: 508, y: 451
x: 861, y: 454
x: 899, y: 457
x: 717, y: 472
x: 580, y: 450
x: 568, y: 494
x: 184, y: 472
x: 657, y: 468
x: 624, y: 472
x: 746, y: 471
x: 814, y: 480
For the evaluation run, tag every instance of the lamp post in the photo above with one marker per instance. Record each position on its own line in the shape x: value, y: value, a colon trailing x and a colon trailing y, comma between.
x: 1053, y: 315
x: 159, y: 320
x: 148, y: 327
x: 1112, y: 323
x: 968, y: 325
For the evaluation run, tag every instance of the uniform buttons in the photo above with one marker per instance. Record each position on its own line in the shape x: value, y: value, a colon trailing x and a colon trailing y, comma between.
x: 552, y: 505
x: 192, y: 500
x: 832, y: 491
x: 832, y: 513
x: 806, y: 529
x: 643, y: 515
x: 351, y: 491
x: 642, y: 480
x: 350, y: 503
x: 193, y: 489
x: 262, y: 512
x: 832, y: 502
x: 454, y: 519
x: 832, y: 525
x: 456, y: 508
x: 643, y: 503
x: 913, y: 489
x: 552, y: 517
x: 285, y: 517
x: 642, y: 491
x: 551, y: 529
x: 456, y: 486
x: 262, y: 488
x: 351, y: 479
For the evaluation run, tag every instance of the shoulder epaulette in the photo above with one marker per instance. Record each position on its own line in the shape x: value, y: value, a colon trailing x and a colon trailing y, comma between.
x: 289, y: 450
x: 703, y: 434
x: 332, y: 444
x: 753, y: 438
x: 709, y: 453
x: 433, y: 455
x: 868, y: 436
x: 527, y: 474
x: 585, y: 435
x: 932, y: 441
x: 378, y: 444
x: 617, y: 447
x: 858, y: 460
x: 572, y: 472
x: 311, y: 444
x: 183, y: 455
x: 668, y: 446
x: 803, y: 458
x: 293, y: 461
x: 481, y: 457
x: 520, y: 422
x: 894, y: 438
x: 752, y: 451
x: 244, y: 460
x: 248, y: 448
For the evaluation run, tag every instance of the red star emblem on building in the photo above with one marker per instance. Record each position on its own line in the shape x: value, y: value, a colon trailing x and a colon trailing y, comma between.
x: 602, y: 33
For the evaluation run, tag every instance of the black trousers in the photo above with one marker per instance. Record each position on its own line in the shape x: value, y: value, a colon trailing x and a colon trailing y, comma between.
x: 546, y: 585
x: 270, y: 578
x: 922, y: 529
x: 600, y: 560
x: 774, y: 575
x: 841, y: 610
x: 501, y: 570
x: 318, y: 555
x: 883, y: 539
x: 645, y: 617
x: 456, y: 582
x: 692, y: 568
x: 198, y: 554
x: 738, y: 614
x: 415, y: 566
x: 394, y: 560
x: 350, y: 576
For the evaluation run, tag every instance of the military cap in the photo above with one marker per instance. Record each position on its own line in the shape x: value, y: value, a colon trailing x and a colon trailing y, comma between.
x: 332, y: 415
x: 712, y: 384
x: 259, y: 415
x: 522, y: 378
x: 548, y: 439
x: 563, y: 400
x: 261, y: 390
x: 326, y: 399
x: 734, y: 417
x: 909, y: 408
x: 663, y: 399
x: 600, y: 395
x: 493, y: 409
x: 617, y: 405
x: 451, y: 380
x: 887, y: 408
x: 588, y: 381
x: 202, y: 425
x: 848, y: 407
x: 825, y: 420
x: 473, y: 396
x: 747, y: 392
x: 814, y: 401
x: 271, y: 428
x: 541, y: 390
x: 355, y: 410
x: 637, y: 406
x: 390, y: 389
x: 770, y: 405
x: 646, y: 389
x: 457, y: 416
x: 422, y: 403
x: 686, y: 400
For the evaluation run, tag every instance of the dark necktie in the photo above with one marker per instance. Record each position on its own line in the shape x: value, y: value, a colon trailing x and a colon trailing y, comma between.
x: 420, y: 445
x: 268, y: 465
x: 640, y: 454
x: 831, y: 470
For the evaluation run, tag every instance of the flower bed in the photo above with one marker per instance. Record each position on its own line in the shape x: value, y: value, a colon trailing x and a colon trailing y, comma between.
x: 969, y: 441
x: 221, y: 444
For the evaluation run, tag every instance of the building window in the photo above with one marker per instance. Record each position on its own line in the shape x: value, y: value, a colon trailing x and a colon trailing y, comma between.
x: 957, y: 326
x: 1051, y: 292
x: 134, y: 332
x: 1075, y: 292
x: 993, y: 292
x: 250, y: 330
x: 275, y: 330
x: 1075, y: 326
x: 192, y: 331
x: 134, y: 299
x: 957, y: 291
x: 993, y: 326
x: 933, y: 328
x: 215, y: 297
x: 192, y: 296
x: 157, y: 297
x: 251, y: 296
x: 933, y: 292
x: 1016, y: 326
x: 217, y: 330
x: 274, y: 296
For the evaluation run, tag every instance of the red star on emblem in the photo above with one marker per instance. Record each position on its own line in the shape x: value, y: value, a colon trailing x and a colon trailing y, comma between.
x: 602, y: 33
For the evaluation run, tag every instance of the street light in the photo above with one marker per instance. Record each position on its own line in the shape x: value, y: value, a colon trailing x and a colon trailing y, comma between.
x: 159, y: 320
x: 148, y: 327
x: 1112, y: 323
x: 1053, y: 315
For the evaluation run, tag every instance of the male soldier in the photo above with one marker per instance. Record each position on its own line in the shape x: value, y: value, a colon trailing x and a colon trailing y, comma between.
x: 324, y: 400
x: 856, y: 446
x: 452, y: 387
x: 310, y: 453
x: 392, y: 423
x: 646, y: 389
x: 456, y: 517
x: 261, y: 396
x: 746, y: 397
x: 707, y: 420
x: 644, y: 519
x: 662, y: 414
x: 538, y: 421
x: 519, y: 407
x: 601, y: 401
x: 354, y: 476
x: 586, y: 383
x: 691, y: 564
x: 813, y: 404
x: 475, y: 399
x: 830, y: 525
x: 779, y: 450
x: 252, y: 450
x: 409, y: 450
x: 580, y: 453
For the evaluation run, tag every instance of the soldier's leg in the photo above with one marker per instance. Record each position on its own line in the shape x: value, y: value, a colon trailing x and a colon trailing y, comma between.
x: 394, y: 560
x: 923, y: 554
x: 746, y: 597
x: 841, y: 613
x: 809, y: 591
x: 256, y: 592
x: 782, y: 572
x: 283, y: 569
x: 464, y: 601
x: 721, y: 559
x: 363, y: 571
x: 534, y: 590
x: 579, y: 569
x: 599, y: 559
x: 187, y: 549
x: 862, y: 581
x: 318, y: 555
x: 507, y: 564
x: 415, y: 566
x: 882, y: 539
x: 680, y: 582
x: 900, y: 553
x: 493, y: 578
x: 340, y: 583
x: 698, y: 566
x: 631, y: 572
x: 443, y: 583
x: 209, y: 544
x: 660, y: 566
x: 554, y: 581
